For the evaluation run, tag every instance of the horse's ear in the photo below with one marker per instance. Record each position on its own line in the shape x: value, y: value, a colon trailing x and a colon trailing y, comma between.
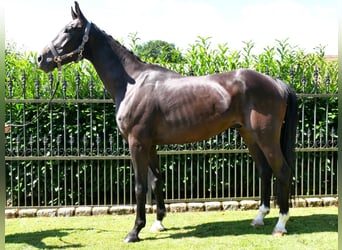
x: 73, y: 14
x: 79, y: 13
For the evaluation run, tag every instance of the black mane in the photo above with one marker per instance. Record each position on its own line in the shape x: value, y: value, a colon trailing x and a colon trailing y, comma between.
x: 116, y: 45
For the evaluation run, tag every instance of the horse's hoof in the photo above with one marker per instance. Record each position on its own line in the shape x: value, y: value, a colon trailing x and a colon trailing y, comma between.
x: 278, y: 233
x: 130, y: 238
x: 257, y: 223
x: 157, y: 227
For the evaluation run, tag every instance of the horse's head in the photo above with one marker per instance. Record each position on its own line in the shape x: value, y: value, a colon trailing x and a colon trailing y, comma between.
x: 68, y: 45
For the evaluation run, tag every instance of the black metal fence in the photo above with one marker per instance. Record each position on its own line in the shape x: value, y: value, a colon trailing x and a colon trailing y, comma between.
x: 71, y: 153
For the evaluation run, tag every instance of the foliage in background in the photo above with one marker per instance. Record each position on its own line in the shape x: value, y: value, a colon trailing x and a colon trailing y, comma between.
x: 306, y: 72
x: 159, y: 51
x: 287, y: 62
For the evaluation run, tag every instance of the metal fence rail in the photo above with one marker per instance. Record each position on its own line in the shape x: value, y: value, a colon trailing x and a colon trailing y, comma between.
x: 73, y: 154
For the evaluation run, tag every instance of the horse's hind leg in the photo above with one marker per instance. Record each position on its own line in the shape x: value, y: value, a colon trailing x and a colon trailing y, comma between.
x: 157, y: 187
x: 269, y: 158
x: 265, y: 173
x: 282, y: 172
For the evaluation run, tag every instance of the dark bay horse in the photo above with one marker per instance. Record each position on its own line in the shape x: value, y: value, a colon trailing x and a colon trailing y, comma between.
x: 156, y: 106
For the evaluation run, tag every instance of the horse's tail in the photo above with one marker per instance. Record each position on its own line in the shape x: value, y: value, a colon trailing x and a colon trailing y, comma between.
x: 289, y: 128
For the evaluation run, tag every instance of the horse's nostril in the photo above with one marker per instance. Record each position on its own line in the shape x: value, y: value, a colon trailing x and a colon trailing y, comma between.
x: 39, y: 59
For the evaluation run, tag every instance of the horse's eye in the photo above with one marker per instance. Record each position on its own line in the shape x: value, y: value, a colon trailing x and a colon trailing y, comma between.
x: 68, y: 29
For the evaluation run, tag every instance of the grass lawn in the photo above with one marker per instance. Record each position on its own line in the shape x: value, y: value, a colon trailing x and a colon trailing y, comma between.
x: 309, y: 228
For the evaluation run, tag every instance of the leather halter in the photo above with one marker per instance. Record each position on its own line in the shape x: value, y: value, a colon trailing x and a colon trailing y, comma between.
x: 59, y: 58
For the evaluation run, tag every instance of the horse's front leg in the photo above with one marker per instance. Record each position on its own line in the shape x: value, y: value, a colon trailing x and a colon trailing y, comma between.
x: 157, y: 187
x: 140, y: 160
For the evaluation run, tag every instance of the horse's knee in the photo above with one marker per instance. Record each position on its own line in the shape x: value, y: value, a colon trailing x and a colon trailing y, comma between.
x: 140, y: 190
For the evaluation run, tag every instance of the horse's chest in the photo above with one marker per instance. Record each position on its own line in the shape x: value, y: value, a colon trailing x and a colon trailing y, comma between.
x: 121, y: 119
x: 127, y: 116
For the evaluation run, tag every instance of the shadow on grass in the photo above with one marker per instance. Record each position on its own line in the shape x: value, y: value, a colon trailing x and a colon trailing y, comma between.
x: 296, y: 225
x: 35, y: 239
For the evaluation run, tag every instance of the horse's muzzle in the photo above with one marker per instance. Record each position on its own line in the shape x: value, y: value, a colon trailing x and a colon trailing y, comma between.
x: 46, y: 62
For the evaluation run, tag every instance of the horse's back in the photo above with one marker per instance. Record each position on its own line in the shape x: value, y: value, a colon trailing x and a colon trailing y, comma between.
x: 251, y: 82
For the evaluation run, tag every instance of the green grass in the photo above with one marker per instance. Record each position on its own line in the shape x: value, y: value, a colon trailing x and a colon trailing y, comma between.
x: 309, y: 228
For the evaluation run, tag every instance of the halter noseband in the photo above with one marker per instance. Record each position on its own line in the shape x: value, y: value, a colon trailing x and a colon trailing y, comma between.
x: 58, y: 59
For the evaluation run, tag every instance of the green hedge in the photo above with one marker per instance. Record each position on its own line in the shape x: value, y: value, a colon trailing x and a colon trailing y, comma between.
x: 306, y: 72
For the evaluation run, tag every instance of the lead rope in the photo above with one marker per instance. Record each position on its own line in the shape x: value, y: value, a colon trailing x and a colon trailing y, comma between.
x: 15, y: 125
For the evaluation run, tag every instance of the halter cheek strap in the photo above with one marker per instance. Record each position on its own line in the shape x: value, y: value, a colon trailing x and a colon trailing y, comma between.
x: 59, y: 58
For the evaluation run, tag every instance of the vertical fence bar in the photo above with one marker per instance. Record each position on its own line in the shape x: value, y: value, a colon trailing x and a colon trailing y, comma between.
x: 91, y: 89
x: 320, y: 163
x: 71, y: 140
x: 18, y: 170
x: 31, y: 172
x: 24, y: 137
x: 117, y: 169
x: 223, y: 181
x: 332, y: 173
x: 58, y: 171
x: 64, y: 88
x: 303, y: 82
x: 98, y: 169
x: 247, y: 172
x: 78, y: 145
x: 37, y: 96
x: 235, y: 165
x: 110, y: 152
x: 10, y: 165
x: 104, y: 149
x: 45, y: 172
x: 117, y: 183
x: 178, y: 178
x: 316, y: 84
x: 326, y: 142
x: 204, y: 177
x: 85, y: 165
x: 51, y: 81
x: 308, y: 167
x: 185, y: 176
x: 229, y: 181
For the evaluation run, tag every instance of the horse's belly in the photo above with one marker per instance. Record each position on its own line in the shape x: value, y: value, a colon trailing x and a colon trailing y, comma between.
x: 186, y: 134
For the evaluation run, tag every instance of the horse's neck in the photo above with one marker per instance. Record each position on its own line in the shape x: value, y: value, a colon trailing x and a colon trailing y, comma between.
x: 114, y: 64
